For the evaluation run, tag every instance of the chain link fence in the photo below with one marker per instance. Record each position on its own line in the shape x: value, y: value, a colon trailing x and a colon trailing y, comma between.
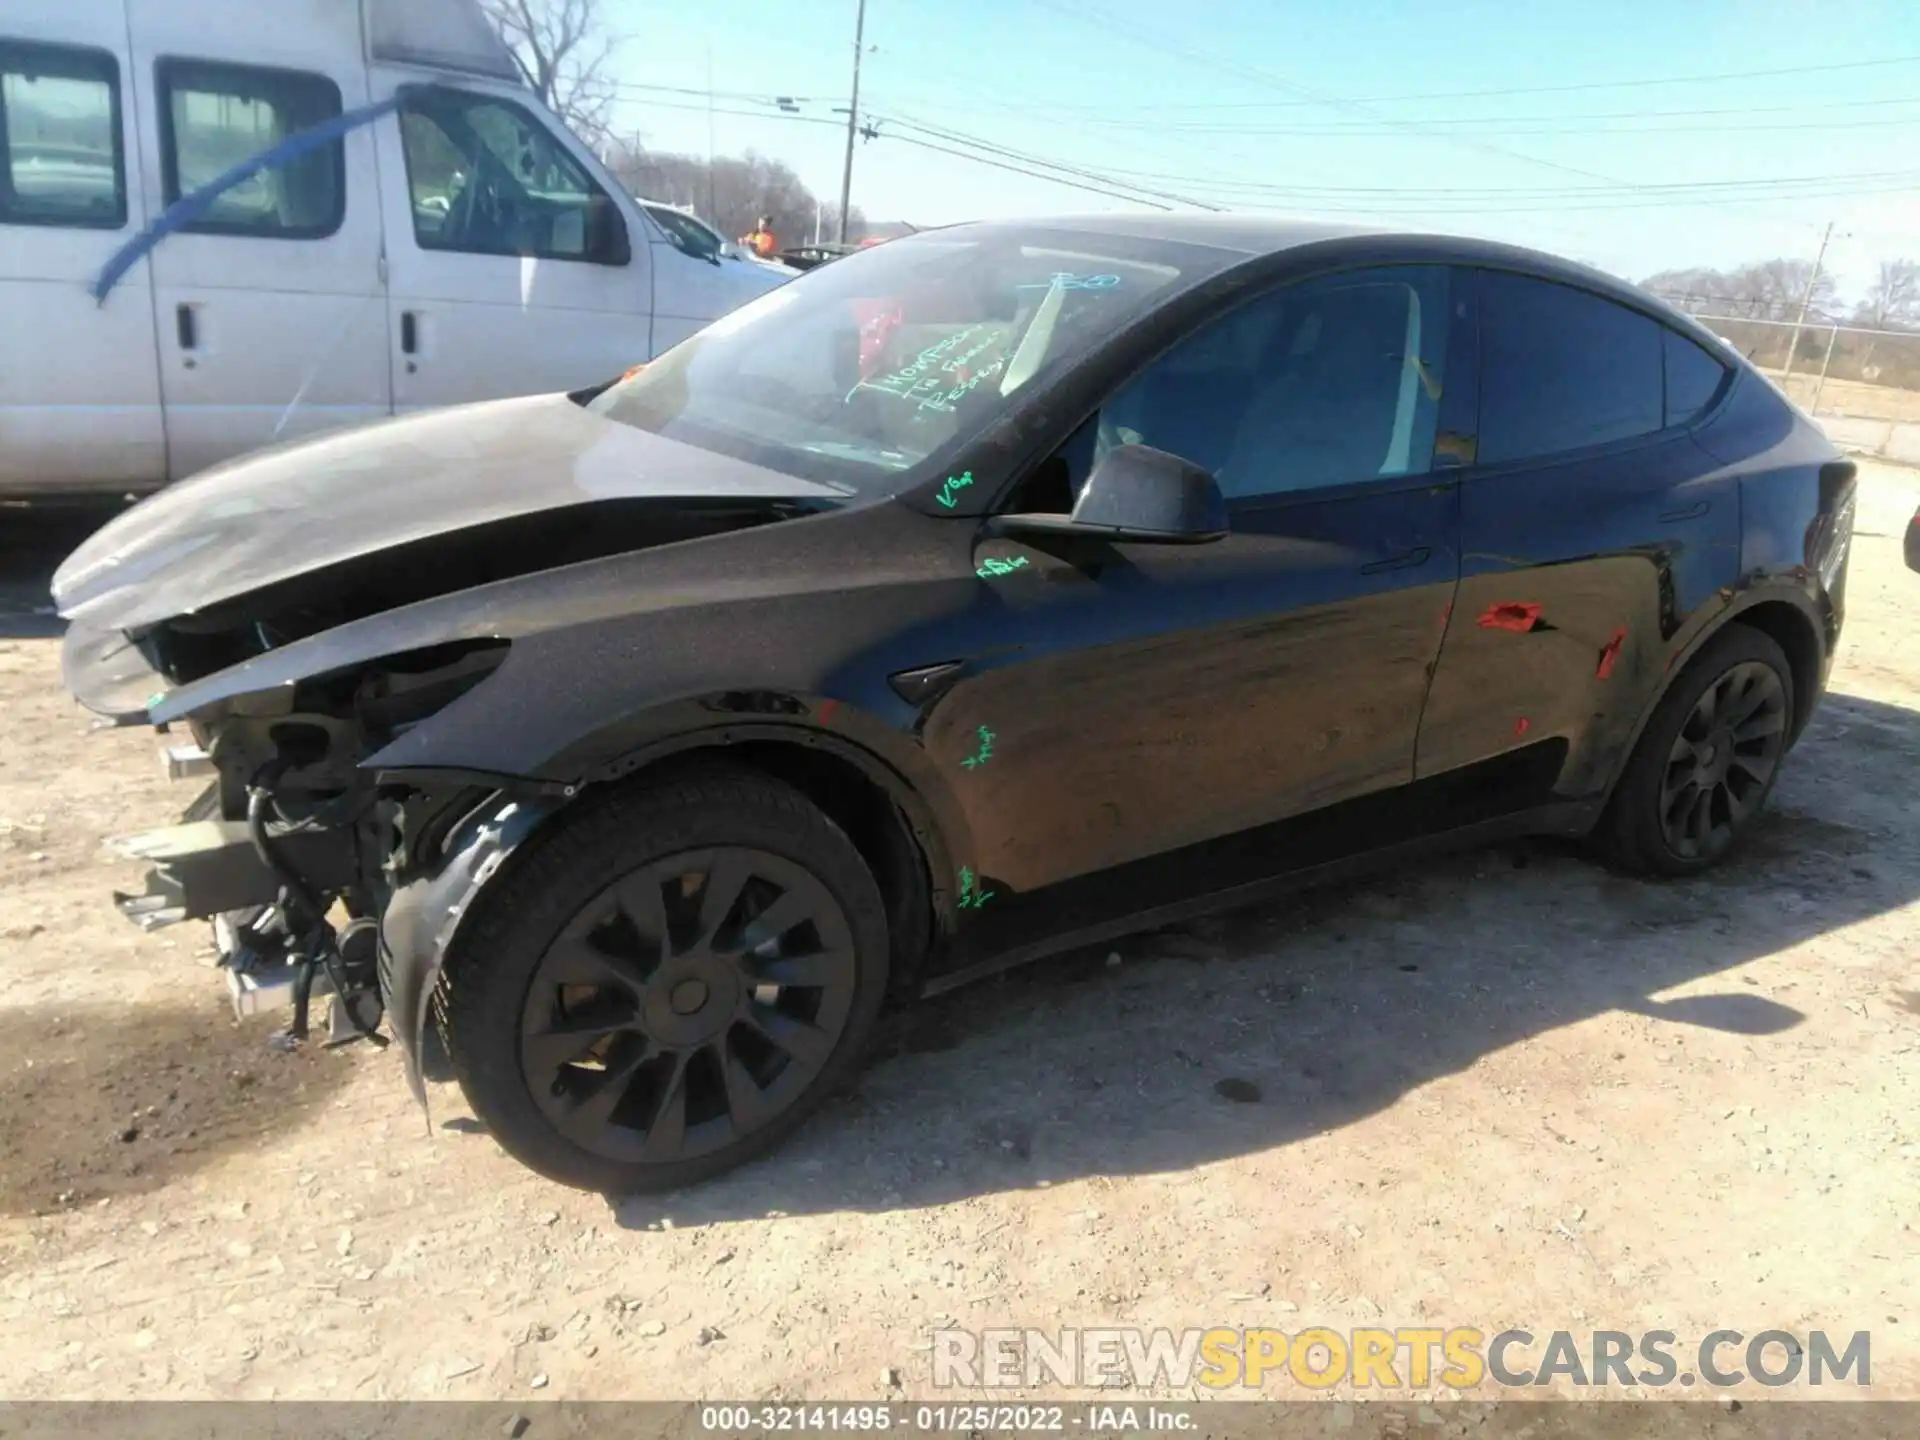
x: 1829, y: 369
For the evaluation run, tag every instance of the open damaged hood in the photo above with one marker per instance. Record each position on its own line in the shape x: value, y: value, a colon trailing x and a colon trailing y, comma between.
x: 314, y: 504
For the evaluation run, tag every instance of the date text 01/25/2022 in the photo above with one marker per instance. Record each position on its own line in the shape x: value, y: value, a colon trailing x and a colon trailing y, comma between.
x: 1088, y: 1419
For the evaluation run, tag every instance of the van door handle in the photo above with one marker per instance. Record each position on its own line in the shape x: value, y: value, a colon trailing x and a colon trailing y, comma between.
x: 1398, y: 562
x: 409, y: 333
x: 1686, y: 512
x: 185, y: 327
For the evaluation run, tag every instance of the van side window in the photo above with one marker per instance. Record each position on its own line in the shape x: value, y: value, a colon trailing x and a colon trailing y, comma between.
x: 487, y: 178
x: 60, y: 137
x: 213, y: 116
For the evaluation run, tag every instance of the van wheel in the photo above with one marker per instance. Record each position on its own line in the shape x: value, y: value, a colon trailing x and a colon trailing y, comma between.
x: 1707, y: 760
x: 668, y: 984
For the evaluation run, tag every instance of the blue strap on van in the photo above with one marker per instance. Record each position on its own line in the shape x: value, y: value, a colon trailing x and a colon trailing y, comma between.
x: 189, y: 208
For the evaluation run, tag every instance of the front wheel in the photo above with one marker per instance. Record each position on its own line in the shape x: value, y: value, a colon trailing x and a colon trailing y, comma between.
x: 668, y: 984
x: 1707, y: 760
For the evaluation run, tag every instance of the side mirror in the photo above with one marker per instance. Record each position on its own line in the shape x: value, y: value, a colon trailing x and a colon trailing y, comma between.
x: 606, y: 233
x: 1136, y: 494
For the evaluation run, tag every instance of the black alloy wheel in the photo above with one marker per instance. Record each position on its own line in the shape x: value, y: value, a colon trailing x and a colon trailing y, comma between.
x: 1723, y: 760
x: 687, y: 1003
x: 1707, y: 759
x: 665, y: 981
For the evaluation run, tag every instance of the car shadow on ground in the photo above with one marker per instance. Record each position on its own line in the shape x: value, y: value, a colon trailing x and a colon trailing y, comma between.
x: 98, y: 1101
x: 1249, y: 1031
x: 34, y: 539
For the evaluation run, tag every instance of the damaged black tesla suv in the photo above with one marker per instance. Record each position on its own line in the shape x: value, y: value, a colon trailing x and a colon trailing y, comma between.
x: 993, y: 591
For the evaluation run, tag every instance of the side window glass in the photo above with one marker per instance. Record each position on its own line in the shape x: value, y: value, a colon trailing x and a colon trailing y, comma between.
x: 60, y: 155
x: 1322, y: 383
x: 1561, y: 369
x: 686, y: 236
x: 1693, y: 378
x: 213, y: 116
x: 486, y: 177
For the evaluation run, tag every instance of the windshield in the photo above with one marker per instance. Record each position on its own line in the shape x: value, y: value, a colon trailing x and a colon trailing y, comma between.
x: 686, y: 233
x: 874, y: 368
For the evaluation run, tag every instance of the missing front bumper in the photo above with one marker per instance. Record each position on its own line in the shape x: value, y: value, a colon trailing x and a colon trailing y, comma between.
x: 208, y: 867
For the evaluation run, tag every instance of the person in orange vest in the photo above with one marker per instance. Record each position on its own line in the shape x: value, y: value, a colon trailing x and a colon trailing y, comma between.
x: 761, y: 238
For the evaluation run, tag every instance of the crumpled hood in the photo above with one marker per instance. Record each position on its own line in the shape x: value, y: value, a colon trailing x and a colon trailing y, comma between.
x: 312, y: 504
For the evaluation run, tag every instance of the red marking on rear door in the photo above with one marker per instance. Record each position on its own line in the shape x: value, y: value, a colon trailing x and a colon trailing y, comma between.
x: 1521, y: 726
x: 825, y: 712
x: 1519, y: 616
x: 1611, y: 653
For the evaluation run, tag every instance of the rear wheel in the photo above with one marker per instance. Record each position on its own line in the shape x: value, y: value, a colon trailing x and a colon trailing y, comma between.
x: 1707, y: 760
x: 668, y: 985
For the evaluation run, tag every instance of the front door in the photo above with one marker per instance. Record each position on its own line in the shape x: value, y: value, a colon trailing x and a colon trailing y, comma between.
x: 270, y: 307
x: 1594, y: 530
x: 1146, y: 713
x: 512, y: 269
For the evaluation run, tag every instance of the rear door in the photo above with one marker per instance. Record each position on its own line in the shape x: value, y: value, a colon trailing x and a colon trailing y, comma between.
x: 513, y: 268
x: 1165, y: 697
x: 270, y: 308
x: 1594, y: 529
x: 79, y: 384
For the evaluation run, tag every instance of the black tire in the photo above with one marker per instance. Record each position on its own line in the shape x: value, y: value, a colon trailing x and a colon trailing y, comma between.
x: 548, y: 909
x: 1669, y: 815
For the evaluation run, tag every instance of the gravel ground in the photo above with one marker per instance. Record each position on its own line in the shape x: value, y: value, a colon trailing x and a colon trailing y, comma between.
x: 1506, y: 1088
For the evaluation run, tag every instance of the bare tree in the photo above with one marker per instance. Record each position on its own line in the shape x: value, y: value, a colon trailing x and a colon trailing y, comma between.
x: 563, y: 48
x: 1766, y: 290
x: 1893, y: 298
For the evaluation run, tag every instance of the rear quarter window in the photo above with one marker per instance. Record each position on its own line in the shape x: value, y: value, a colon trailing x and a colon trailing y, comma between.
x: 1694, y: 379
x: 1562, y: 369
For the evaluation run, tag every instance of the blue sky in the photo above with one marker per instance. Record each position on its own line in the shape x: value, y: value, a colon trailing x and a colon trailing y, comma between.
x: 1338, y: 107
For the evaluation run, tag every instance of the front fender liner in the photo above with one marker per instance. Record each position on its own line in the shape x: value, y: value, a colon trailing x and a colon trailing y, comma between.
x: 424, y: 915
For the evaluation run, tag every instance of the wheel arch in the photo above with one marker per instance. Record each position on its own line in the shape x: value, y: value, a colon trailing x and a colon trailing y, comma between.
x: 888, y: 820
x: 1786, y: 616
x: 905, y: 829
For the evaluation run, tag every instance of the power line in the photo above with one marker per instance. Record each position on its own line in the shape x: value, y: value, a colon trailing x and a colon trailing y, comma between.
x: 1570, y: 118
x: 1161, y: 44
x: 1587, y: 85
x: 1572, y: 125
x: 746, y: 114
x: 1104, y: 177
x: 1018, y: 170
x: 1773, y: 187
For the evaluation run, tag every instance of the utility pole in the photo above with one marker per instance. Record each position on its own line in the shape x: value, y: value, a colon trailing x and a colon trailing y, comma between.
x: 853, y: 119
x: 711, y: 218
x: 1806, y: 300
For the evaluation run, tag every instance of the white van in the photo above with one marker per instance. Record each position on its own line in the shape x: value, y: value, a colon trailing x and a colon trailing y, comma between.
x: 463, y: 246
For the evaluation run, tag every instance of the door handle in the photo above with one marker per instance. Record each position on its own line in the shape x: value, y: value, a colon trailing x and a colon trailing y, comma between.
x: 1399, y: 562
x: 1686, y: 512
x: 186, y: 328
x: 409, y: 333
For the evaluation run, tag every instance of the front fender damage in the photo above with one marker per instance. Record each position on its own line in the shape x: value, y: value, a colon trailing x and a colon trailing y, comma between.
x: 423, y: 916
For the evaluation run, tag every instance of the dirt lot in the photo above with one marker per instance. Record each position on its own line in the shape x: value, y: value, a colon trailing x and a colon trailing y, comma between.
x: 1505, y: 1088
x: 1854, y: 398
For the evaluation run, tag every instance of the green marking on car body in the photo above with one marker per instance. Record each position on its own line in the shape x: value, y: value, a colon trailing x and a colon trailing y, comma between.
x: 949, y: 492
x: 984, y: 753
x: 972, y: 897
x: 990, y: 568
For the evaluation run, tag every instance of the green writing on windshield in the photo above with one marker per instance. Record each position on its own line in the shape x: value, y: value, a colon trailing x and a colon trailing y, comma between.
x: 984, y: 753
x: 972, y: 897
x: 949, y: 495
x: 989, y: 568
